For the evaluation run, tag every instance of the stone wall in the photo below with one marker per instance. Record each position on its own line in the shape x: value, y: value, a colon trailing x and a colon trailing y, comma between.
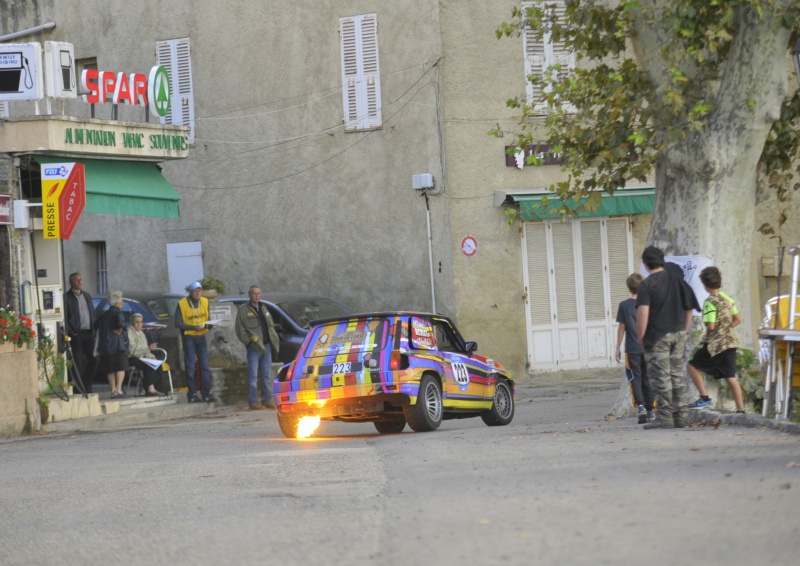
x: 19, y: 391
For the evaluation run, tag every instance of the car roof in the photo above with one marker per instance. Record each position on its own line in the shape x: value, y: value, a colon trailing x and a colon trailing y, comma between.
x: 142, y: 296
x: 275, y: 297
x: 319, y: 321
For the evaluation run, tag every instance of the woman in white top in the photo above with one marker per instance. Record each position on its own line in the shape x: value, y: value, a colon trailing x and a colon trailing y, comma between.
x: 139, y: 348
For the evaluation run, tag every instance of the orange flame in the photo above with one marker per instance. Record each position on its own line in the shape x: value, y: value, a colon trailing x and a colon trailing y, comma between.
x: 307, y: 426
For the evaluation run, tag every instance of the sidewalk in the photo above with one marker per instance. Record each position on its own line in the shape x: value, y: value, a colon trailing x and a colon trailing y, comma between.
x: 129, y: 412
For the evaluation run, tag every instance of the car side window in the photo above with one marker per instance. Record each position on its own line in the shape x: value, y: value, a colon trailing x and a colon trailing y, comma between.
x: 446, y: 337
x: 278, y: 320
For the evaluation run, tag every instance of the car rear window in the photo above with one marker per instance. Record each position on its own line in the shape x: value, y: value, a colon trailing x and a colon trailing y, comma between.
x: 349, y: 336
x: 422, y: 334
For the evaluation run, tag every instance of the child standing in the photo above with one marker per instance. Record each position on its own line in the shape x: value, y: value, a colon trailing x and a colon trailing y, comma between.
x: 635, y: 369
x: 717, y: 355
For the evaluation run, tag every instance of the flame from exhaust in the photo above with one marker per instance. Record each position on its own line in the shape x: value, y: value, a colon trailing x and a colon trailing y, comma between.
x: 307, y: 426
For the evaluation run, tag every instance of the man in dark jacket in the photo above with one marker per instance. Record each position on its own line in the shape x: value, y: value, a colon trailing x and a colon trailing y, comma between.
x: 256, y: 330
x: 79, y: 312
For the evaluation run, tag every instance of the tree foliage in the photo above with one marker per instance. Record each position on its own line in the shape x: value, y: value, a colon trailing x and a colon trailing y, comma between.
x: 649, y: 77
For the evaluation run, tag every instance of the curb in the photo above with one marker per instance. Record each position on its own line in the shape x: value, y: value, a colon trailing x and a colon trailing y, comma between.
x: 707, y: 417
x: 132, y: 417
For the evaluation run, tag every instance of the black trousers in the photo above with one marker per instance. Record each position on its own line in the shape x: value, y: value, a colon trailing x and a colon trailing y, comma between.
x: 82, y: 345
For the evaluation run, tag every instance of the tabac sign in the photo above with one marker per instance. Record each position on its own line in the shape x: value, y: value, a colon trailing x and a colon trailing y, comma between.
x: 63, y: 198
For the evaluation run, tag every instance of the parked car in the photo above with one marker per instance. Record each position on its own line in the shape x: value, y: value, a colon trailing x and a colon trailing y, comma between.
x: 162, y: 305
x: 293, y: 313
x: 392, y: 369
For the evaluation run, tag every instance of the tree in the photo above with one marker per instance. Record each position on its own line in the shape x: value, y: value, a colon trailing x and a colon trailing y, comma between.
x: 694, y: 92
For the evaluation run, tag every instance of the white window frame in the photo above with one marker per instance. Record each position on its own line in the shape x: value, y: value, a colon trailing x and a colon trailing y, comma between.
x: 539, y: 56
x: 175, y: 56
x: 361, y: 77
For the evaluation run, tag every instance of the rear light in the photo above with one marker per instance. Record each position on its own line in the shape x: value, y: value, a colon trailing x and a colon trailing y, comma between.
x: 398, y: 361
x: 285, y: 398
x: 390, y: 387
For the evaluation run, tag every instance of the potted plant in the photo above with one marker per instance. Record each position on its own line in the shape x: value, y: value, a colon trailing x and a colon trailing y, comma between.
x: 16, y: 330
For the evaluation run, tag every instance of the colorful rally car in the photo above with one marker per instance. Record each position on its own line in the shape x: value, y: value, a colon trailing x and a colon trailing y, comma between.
x: 391, y: 368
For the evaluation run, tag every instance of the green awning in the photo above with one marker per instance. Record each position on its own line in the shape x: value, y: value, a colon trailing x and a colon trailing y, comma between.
x: 623, y: 202
x: 127, y: 188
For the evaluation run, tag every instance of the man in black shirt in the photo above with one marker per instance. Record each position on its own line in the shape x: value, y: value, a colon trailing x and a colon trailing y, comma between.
x: 79, y: 316
x: 663, y: 317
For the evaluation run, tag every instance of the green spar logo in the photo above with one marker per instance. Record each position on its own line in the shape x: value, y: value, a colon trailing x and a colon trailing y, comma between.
x: 158, y: 91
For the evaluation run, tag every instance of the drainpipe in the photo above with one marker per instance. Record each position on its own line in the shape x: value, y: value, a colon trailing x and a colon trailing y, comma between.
x: 30, y: 31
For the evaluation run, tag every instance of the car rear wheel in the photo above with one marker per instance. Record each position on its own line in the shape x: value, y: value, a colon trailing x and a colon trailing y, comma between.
x: 288, y: 425
x: 393, y: 426
x: 426, y: 414
x: 502, y: 411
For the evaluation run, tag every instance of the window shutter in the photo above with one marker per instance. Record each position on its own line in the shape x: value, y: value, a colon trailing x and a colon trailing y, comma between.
x: 564, y: 267
x: 4, y: 109
x: 539, y: 55
x: 592, y: 263
x: 618, y: 270
x: 361, y: 93
x: 175, y: 56
x: 538, y: 274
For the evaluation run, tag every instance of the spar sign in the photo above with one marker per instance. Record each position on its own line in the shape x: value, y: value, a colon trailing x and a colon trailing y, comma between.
x: 63, y: 198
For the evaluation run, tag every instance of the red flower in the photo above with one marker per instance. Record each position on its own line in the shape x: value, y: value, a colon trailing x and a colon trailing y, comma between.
x: 16, y: 336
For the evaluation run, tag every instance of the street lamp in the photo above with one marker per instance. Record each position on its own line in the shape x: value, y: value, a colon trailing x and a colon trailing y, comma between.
x: 796, y: 58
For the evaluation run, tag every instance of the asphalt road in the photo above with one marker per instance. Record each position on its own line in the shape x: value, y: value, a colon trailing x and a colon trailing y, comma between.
x: 560, y: 485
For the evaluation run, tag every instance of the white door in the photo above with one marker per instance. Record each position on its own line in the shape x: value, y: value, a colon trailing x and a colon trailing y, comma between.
x: 185, y: 264
x: 575, y: 278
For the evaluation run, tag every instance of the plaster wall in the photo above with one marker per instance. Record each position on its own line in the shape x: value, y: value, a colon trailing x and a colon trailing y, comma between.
x: 19, y: 391
x: 276, y: 191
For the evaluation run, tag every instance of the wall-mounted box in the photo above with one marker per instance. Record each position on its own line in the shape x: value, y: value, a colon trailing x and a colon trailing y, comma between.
x: 770, y: 264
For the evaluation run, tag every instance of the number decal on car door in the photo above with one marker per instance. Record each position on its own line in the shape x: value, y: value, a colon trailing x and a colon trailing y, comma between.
x: 460, y: 373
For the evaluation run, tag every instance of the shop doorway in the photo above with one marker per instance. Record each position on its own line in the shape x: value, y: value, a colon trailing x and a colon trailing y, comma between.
x: 574, y: 280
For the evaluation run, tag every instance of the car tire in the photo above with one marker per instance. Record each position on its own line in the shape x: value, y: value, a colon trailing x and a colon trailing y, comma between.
x: 502, y: 411
x: 426, y: 414
x: 394, y: 426
x: 288, y: 424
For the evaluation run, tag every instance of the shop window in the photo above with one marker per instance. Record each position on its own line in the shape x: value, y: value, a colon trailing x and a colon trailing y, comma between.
x: 175, y: 56
x: 361, y: 88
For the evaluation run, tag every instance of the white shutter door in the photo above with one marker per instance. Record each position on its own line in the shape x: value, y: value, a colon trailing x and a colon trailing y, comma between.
x: 620, y: 265
x: 184, y: 265
x: 595, y: 323
x: 566, y: 300
x: 539, y: 315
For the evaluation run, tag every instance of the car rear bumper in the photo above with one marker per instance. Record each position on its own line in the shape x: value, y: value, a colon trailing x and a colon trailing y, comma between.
x: 349, y: 407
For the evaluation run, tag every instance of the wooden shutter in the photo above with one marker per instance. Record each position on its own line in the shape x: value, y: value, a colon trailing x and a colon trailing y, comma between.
x: 592, y: 263
x: 539, y: 55
x: 618, y: 265
x: 361, y: 92
x: 175, y: 55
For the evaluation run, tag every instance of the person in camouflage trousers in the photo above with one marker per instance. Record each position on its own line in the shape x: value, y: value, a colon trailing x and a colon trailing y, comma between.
x: 663, y: 317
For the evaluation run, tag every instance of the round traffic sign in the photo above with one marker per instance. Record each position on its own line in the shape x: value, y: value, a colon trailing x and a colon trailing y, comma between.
x: 469, y: 245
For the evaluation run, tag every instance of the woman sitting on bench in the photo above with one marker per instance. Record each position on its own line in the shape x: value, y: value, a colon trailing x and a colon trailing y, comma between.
x: 139, y: 348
